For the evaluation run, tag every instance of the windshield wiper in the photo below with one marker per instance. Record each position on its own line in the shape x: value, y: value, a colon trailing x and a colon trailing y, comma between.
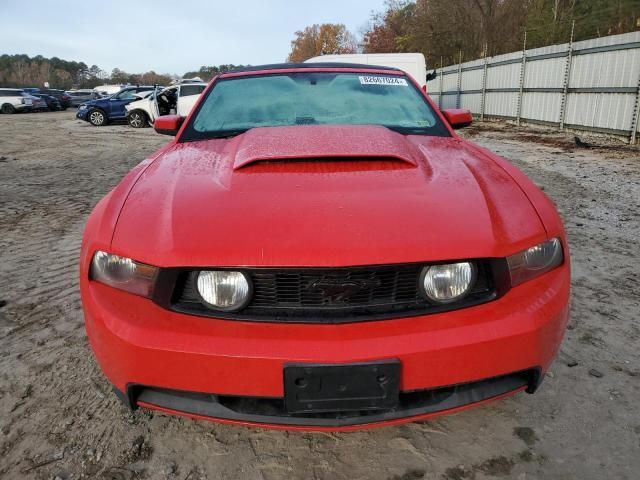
x: 408, y: 130
x: 227, y: 133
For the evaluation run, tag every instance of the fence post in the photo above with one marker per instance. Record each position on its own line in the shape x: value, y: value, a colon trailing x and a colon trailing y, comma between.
x: 636, y: 116
x: 484, y: 83
x: 441, y: 78
x: 523, y: 65
x: 459, y: 79
x: 567, y: 75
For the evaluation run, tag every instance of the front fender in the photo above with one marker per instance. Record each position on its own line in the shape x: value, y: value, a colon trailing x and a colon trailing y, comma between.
x: 101, y: 224
x: 543, y: 205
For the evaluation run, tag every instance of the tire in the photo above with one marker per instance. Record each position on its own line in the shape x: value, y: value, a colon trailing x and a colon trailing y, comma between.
x: 8, y: 108
x: 137, y: 119
x: 97, y: 118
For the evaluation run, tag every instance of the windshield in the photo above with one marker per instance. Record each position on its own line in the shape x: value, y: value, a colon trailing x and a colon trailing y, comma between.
x: 235, y: 105
x: 125, y: 94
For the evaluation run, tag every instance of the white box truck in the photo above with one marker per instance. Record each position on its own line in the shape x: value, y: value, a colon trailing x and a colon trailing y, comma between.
x: 412, y: 63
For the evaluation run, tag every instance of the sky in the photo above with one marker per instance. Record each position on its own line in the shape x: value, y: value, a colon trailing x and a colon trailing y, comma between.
x: 169, y: 36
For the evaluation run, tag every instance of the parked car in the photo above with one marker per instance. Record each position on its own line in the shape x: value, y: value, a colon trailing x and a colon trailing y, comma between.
x: 104, y: 110
x: 318, y: 249
x: 52, y: 102
x: 79, y: 97
x: 14, y: 100
x: 178, y: 99
x: 61, y: 95
x: 37, y: 104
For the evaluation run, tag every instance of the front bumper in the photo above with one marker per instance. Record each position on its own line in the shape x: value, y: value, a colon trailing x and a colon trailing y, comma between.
x: 82, y: 114
x: 192, y: 365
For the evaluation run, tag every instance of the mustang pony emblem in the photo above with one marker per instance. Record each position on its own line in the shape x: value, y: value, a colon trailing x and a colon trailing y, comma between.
x: 339, y: 290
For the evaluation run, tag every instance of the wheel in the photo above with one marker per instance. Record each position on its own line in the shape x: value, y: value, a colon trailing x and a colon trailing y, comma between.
x: 97, y: 118
x: 137, y: 119
x: 8, y: 108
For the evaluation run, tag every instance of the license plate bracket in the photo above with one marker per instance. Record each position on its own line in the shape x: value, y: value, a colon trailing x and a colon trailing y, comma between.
x: 315, y: 388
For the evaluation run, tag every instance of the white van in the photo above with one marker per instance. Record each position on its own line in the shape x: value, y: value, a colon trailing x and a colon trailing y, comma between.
x: 412, y: 63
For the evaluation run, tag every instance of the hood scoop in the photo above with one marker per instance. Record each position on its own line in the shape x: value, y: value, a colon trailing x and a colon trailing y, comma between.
x: 324, y: 143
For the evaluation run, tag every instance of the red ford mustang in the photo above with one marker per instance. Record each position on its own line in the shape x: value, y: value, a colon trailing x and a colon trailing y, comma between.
x: 317, y: 249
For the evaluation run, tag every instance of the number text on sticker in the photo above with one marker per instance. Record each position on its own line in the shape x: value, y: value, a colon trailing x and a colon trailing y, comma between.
x: 400, y: 82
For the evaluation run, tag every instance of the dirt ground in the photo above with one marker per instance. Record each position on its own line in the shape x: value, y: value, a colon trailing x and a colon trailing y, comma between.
x: 59, y: 419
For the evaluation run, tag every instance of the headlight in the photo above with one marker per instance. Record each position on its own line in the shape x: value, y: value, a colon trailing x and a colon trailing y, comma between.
x: 535, y: 261
x: 123, y: 273
x: 448, y: 283
x: 223, y: 290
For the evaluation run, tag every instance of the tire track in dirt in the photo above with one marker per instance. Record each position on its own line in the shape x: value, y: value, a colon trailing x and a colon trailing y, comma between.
x: 42, y: 221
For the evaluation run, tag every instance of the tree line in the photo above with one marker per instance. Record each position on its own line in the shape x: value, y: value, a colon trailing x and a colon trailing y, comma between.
x: 208, y: 72
x: 25, y: 71
x: 444, y: 29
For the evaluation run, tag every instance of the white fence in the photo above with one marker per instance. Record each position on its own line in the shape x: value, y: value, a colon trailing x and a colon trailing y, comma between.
x: 588, y: 85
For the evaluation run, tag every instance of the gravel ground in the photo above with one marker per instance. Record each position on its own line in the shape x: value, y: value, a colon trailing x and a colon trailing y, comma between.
x: 58, y: 418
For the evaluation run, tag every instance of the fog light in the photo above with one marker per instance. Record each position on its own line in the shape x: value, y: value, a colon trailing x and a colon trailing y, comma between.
x: 223, y: 290
x: 448, y: 282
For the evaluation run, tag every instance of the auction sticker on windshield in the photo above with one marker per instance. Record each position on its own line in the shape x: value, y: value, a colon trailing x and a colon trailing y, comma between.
x: 401, y: 82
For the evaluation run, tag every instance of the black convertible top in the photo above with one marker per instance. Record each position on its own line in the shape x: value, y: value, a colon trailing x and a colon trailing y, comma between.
x: 282, y: 66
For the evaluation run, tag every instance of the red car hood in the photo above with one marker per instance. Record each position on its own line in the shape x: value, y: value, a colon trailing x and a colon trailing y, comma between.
x: 323, y: 196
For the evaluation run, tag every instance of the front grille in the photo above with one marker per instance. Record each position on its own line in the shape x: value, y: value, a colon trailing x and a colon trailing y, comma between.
x: 332, y: 295
x: 310, y: 289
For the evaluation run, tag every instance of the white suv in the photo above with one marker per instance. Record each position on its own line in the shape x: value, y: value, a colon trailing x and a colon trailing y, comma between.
x: 14, y: 100
x: 178, y: 99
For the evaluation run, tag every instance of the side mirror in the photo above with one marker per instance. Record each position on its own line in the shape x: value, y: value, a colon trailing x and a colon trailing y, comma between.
x: 457, y: 117
x: 168, y: 124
